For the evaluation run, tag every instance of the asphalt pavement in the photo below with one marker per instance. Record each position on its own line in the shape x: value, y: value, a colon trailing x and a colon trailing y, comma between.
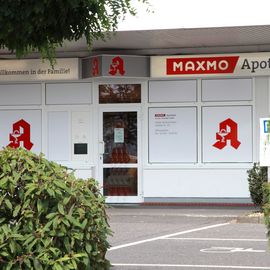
x: 186, y: 238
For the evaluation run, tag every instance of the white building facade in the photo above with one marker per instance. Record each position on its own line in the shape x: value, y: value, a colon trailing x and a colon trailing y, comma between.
x: 159, y: 129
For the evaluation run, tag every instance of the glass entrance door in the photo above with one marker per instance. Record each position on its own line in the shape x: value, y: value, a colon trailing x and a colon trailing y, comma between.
x: 119, y: 156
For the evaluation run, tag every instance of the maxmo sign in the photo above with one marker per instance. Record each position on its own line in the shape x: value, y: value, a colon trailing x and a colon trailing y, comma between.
x: 202, y: 65
x: 243, y: 64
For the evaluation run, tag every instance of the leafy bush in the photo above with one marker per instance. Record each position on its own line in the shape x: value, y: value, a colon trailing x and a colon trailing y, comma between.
x: 257, y: 176
x: 266, y: 207
x: 48, y: 218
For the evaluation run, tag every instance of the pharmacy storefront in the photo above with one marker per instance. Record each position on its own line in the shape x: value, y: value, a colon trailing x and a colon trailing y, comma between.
x: 162, y: 129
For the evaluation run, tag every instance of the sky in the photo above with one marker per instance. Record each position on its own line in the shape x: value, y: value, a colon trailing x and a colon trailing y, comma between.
x: 198, y: 13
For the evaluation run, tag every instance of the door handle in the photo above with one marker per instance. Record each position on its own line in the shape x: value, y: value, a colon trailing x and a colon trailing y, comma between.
x: 101, y: 147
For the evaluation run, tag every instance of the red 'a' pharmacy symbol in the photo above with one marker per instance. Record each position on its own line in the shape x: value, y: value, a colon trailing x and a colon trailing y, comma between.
x: 95, y: 66
x: 228, y: 131
x: 21, y: 133
x: 117, y: 66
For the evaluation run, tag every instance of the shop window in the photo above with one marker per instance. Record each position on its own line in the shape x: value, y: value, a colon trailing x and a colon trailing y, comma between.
x: 173, y: 91
x: 227, y: 134
x: 119, y: 93
x: 20, y: 94
x: 68, y: 93
x: 227, y: 90
x: 173, y: 135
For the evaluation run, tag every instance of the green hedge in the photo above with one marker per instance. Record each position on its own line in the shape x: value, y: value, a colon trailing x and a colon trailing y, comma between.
x: 257, y: 176
x: 266, y: 207
x: 48, y: 218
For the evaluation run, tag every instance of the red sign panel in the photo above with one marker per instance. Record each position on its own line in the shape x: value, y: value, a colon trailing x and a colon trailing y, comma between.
x: 201, y: 65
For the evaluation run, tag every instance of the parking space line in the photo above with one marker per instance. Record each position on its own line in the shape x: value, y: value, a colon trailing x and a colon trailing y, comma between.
x: 168, y: 236
x: 192, y: 266
x: 216, y: 239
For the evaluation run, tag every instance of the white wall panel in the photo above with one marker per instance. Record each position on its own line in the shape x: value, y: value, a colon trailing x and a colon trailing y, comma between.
x: 84, y: 174
x: 20, y: 94
x: 172, y: 91
x: 227, y: 90
x: 81, y: 134
x: 218, y: 183
x: 59, y: 136
x: 68, y: 93
x: 173, y: 135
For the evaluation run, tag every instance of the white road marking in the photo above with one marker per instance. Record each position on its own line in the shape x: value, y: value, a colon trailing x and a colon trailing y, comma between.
x: 192, y: 266
x: 217, y: 239
x: 168, y: 236
x: 230, y: 250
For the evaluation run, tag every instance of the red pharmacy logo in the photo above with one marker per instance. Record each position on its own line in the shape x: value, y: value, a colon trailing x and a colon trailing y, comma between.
x: 228, y: 131
x: 95, y: 66
x: 21, y: 133
x: 117, y: 66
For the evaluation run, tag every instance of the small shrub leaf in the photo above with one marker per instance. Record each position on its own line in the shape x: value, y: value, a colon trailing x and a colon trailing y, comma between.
x: 61, y: 185
x: 8, y: 204
x: 16, y: 210
x: 37, y: 264
x: 88, y: 248
x: 3, y: 182
x: 61, y: 209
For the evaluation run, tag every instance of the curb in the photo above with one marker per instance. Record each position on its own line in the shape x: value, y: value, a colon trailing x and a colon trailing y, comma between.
x: 201, y: 204
x: 258, y: 219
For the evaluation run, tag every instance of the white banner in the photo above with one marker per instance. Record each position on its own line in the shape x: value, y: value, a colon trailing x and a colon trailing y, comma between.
x: 36, y: 70
x: 253, y: 64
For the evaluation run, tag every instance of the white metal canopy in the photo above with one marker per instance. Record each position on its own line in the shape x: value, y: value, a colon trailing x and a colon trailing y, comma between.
x: 171, y: 41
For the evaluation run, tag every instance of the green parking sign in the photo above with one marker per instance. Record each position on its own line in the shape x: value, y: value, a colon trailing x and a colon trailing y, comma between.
x: 266, y: 126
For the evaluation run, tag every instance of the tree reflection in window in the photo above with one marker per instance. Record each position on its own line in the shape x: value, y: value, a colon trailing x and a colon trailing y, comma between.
x: 119, y: 93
